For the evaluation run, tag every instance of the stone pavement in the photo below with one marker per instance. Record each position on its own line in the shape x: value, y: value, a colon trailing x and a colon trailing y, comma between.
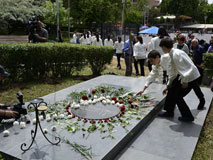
x: 168, y: 138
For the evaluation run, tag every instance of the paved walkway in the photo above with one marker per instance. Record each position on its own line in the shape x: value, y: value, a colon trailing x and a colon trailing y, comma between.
x: 169, y: 139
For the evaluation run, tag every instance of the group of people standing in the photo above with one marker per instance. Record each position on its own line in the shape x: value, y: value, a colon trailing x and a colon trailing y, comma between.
x: 183, y: 66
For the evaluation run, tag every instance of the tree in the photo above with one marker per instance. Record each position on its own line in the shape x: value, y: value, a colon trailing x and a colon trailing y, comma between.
x: 17, y: 12
x: 193, y: 8
x: 50, y: 13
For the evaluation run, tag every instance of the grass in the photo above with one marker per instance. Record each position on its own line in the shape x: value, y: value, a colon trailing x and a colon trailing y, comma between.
x: 204, y: 148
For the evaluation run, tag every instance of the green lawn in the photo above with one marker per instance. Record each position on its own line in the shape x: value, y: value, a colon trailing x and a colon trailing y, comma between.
x: 204, y: 149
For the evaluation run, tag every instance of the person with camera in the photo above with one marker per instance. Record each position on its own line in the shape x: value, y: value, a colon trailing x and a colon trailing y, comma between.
x: 37, y: 33
x: 6, y: 112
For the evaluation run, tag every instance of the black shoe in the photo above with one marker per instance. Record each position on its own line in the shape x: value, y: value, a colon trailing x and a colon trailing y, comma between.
x: 186, y: 119
x: 137, y: 74
x: 166, y: 114
x: 201, y: 104
x: 119, y: 67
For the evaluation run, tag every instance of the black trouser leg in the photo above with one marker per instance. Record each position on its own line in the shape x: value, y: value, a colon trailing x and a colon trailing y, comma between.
x: 136, y: 65
x: 164, y: 77
x: 149, y: 66
x: 198, y: 91
x: 171, y: 96
x: 142, y: 61
x: 201, y: 75
x: 175, y: 96
x: 128, y: 62
x: 118, y: 58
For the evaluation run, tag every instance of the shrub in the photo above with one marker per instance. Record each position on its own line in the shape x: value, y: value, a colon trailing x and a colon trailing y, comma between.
x: 208, y: 64
x: 28, y: 61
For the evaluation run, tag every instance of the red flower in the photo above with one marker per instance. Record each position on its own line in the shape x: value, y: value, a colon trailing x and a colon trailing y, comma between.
x: 69, y: 113
x: 68, y: 106
x: 85, y: 120
x: 84, y: 97
x: 93, y: 91
x: 79, y: 118
x: 106, y: 120
x: 121, y: 101
x: 114, y: 98
x: 132, y: 106
x: 73, y: 116
x: 93, y: 121
x: 122, y: 108
x: 102, y: 90
x: 130, y: 101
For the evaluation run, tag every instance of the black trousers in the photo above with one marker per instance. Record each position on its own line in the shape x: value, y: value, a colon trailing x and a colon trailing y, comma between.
x: 175, y: 96
x: 119, y: 59
x: 141, y: 62
x: 136, y: 65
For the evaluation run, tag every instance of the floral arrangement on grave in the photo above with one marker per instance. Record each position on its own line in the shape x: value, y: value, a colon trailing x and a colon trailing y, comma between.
x: 102, y: 108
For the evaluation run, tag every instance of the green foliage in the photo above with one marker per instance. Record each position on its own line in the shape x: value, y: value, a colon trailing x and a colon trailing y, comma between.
x: 50, y: 13
x: 208, y: 64
x: 133, y: 16
x: 18, y: 11
x: 96, y: 63
x: 193, y: 8
x: 35, y: 61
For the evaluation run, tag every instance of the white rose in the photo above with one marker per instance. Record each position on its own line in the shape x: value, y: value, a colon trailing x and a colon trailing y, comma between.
x: 69, y: 116
x: 90, y: 101
x: 95, y: 97
x: 41, y: 118
x: 108, y: 101
x: 53, y: 128
x: 45, y: 131
x: 61, y: 116
x: 22, y: 125
x: 49, y: 119
x: 55, y: 116
x: 6, y: 133
x: 15, y: 123
x: 104, y: 102
x: 120, y: 105
x: 34, y: 121
x: 112, y: 102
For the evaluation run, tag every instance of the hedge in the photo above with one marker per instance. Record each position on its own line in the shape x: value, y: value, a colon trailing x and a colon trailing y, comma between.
x: 208, y: 64
x: 28, y: 61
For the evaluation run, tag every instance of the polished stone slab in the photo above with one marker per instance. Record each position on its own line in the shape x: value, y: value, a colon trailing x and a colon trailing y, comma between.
x: 101, y: 148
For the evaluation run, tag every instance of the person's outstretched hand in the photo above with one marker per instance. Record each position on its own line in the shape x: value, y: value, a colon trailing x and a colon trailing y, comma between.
x: 11, y: 114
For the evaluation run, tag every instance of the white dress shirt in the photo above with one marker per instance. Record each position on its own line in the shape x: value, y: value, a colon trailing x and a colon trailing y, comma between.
x: 155, y: 45
x: 98, y: 43
x: 157, y: 70
x: 108, y: 43
x: 139, y: 51
x: 74, y: 39
x: 119, y: 47
x: 83, y: 40
x: 181, y: 64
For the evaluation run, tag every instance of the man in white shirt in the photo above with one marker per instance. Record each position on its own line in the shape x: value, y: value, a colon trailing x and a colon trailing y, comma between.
x: 159, y: 64
x: 183, y: 75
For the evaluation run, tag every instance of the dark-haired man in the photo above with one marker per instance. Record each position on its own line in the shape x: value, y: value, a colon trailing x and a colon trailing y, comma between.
x: 183, y: 75
x: 159, y: 64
